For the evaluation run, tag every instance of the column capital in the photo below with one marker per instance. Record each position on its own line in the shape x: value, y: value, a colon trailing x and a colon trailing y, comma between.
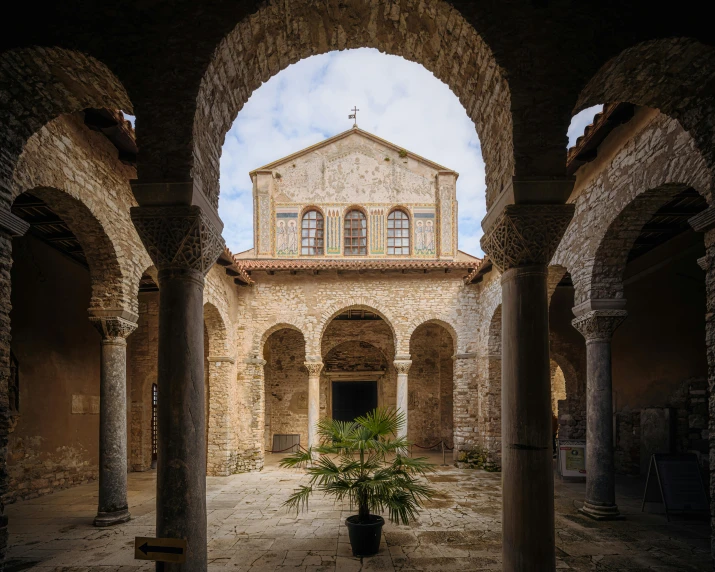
x: 599, y: 325
x: 113, y: 327
x: 178, y: 236
x: 525, y: 235
x: 314, y: 367
x: 402, y: 365
x: 255, y: 361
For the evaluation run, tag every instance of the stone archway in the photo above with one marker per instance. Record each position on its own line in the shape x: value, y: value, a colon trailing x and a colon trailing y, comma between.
x: 54, y: 81
x: 674, y: 75
x: 432, y: 34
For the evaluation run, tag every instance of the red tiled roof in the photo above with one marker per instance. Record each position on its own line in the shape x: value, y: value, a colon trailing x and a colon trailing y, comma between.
x: 485, y: 265
x: 338, y: 264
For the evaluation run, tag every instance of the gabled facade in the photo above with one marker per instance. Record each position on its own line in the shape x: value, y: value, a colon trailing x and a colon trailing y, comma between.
x: 355, y: 196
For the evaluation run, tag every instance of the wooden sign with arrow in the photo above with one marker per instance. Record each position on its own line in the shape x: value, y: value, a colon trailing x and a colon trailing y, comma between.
x: 160, y: 549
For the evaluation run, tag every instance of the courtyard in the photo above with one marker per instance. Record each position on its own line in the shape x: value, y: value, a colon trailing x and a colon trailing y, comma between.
x: 249, y: 530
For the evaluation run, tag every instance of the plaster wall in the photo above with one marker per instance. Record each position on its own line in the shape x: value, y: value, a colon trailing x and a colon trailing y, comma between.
x: 53, y: 441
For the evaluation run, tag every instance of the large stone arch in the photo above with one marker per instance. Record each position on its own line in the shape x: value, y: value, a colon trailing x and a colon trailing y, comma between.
x: 611, y: 256
x: 650, y: 168
x: 313, y: 344
x: 281, y: 324
x: 38, y: 84
x: 443, y: 322
x: 90, y: 183
x: 102, y: 258
x: 430, y: 33
x: 674, y: 75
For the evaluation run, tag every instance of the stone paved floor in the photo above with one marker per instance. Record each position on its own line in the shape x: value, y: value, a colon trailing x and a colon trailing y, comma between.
x: 248, y: 530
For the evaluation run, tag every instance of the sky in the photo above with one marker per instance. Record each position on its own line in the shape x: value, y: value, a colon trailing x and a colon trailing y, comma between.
x: 397, y: 100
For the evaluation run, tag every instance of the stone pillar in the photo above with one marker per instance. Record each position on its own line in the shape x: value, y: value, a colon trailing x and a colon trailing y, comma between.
x: 520, y: 242
x: 466, y: 403
x: 10, y: 226
x: 183, y: 243
x: 256, y: 404
x: 314, y: 368
x: 597, y: 326
x: 221, y: 454
x: 113, y: 507
x: 705, y: 222
x: 403, y: 392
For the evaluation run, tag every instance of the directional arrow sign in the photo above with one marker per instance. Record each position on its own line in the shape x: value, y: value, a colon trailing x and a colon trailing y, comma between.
x: 160, y: 549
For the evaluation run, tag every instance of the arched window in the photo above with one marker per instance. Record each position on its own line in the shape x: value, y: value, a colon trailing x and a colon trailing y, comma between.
x: 398, y: 233
x: 311, y: 239
x: 355, y: 233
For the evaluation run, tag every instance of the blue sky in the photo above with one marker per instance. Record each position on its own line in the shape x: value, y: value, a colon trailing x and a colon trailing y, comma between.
x: 398, y: 100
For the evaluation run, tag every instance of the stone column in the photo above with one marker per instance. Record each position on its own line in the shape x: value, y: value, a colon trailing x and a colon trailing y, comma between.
x: 113, y: 507
x: 183, y: 243
x: 10, y: 226
x: 314, y: 368
x: 597, y: 326
x: 520, y: 242
x: 403, y: 392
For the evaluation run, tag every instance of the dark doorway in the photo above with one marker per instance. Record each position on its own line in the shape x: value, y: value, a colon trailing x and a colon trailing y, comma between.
x: 352, y: 399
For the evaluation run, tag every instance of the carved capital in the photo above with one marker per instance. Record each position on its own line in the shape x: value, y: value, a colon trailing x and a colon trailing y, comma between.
x: 402, y: 366
x: 525, y: 235
x: 599, y: 325
x: 314, y: 367
x: 113, y: 327
x: 178, y: 237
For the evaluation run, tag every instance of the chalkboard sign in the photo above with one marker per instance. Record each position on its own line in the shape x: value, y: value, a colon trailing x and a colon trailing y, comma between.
x: 675, y: 482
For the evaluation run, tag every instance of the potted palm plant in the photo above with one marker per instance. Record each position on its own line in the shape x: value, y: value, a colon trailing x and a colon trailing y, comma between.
x: 364, y: 462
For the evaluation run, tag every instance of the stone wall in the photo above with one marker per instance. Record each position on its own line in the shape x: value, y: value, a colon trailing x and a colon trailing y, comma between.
x: 431, y: 386
x: 286, y: 389
x: 308, y: 304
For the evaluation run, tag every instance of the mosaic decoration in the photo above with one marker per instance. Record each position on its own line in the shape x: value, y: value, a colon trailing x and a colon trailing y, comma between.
x: 333, y: 231
x: 264, y: 213
x: 287, y: 241
x: 445, y: 216
x: 425, y: 233
x: 377, y: 231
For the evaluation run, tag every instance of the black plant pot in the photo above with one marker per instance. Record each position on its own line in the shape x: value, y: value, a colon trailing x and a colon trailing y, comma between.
x: 365, y: 537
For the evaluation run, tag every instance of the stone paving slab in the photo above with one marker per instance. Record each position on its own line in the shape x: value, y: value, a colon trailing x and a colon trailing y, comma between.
x: 248, y: 530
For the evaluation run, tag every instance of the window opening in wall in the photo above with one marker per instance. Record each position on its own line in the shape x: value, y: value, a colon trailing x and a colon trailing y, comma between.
x: 154, y: 422
x: 13, y: 389
x: 311, y: 240
x: 355, y: 234
x: 398, y: 233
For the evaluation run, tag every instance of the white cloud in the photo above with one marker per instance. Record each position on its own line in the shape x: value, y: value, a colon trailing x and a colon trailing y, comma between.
x: 310, y: 101
x: 580, y: 121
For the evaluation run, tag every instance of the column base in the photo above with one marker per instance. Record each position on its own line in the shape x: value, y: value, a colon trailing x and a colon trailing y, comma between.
x: 601, y: 512
x: 112, y: 518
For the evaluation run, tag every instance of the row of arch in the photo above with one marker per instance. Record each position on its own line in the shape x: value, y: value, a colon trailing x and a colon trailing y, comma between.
x: 67, y: 81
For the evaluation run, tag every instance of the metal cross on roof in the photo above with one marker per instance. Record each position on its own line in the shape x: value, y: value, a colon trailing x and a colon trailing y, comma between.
x: 353, y: 115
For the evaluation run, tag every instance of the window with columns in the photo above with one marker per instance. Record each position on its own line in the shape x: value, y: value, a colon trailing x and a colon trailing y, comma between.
x: 355, y: 233
x: 398, y: 233
x: 312, y: 234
